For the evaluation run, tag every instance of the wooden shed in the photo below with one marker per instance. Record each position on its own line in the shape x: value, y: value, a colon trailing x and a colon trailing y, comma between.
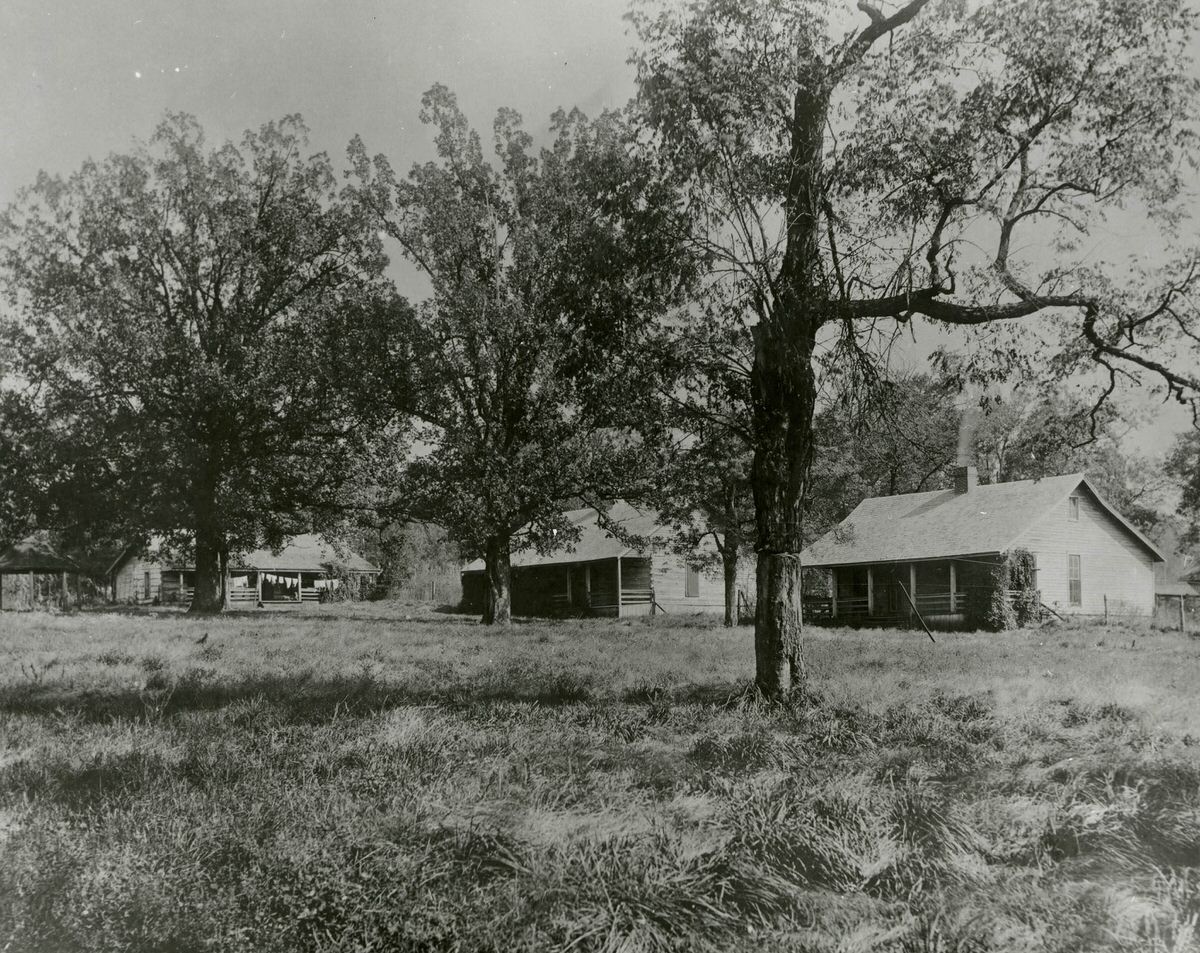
x: 265, y: 578
x: 933, y: 551
x: 35, y: 575
x: 600, y: 574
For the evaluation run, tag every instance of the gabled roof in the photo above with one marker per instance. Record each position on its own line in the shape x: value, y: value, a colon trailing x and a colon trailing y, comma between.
x: 35, y: 553
x: 594, y: 542
x: 941, y: 523
x: 304, y: 553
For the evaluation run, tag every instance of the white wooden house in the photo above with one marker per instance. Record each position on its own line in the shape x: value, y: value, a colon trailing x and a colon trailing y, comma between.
x: 931, y: 550
x: 600, y: 574
x: 295, y: 574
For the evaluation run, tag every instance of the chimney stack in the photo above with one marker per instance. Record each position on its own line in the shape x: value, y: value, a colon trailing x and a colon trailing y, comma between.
x: 965, y: 478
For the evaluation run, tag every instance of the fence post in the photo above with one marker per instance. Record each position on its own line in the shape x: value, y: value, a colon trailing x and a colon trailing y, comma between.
x: 1106, y: 608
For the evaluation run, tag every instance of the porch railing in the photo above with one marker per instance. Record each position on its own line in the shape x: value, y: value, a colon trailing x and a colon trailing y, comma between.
x: 941, y: 603
x: 852, y: 605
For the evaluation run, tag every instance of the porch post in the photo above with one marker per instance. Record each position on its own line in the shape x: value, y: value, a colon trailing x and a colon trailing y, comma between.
x: 299, y: 587
x: 953, y: 587
x: 258, y: 584
x: 870, y: 591
x: 833, y: 593
x: 912, y: 585
x: 618, y: 587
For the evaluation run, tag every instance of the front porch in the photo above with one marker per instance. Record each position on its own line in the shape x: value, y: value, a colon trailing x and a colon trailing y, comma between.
x: 615, y: 588
x: 250, y: 589
x: 940, y: 591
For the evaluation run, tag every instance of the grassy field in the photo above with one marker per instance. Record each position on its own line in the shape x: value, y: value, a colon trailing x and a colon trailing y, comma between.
x: 353, y: 778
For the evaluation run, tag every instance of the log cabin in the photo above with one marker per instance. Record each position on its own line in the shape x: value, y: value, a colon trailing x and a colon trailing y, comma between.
x: 264, y: 578
x: 600, y: 574
x: 930, y: 553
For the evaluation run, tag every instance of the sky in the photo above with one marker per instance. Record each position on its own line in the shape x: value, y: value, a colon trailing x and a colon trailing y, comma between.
x: 82, y: 78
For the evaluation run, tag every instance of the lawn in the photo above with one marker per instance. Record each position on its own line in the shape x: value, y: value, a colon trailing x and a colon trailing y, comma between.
x: 381, y: 777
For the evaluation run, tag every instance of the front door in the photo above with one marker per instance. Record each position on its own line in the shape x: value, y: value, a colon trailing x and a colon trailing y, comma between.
x: 579, y: 587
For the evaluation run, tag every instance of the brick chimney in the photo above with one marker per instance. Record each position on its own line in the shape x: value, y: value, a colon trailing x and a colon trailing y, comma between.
x: 965, y: 478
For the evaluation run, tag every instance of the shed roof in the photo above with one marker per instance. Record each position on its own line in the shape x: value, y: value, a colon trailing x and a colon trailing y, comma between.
x: 1175, y: 587
x: 594, y: 541
x: 304, y: 553
x: 941, y: 523
x: 35, y: 553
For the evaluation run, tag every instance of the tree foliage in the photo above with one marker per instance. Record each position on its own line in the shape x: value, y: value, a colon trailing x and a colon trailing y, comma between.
x: 1183, y: 466
x: 193, y: 331
x: 545, y: 268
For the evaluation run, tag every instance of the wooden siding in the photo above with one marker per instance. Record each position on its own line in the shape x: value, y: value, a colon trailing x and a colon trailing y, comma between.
x: 537, y: 590
x: 669, y: 580
x: 1113, y: 562
x: 129, y: 580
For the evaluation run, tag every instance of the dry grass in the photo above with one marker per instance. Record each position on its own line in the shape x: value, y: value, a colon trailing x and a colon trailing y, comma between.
x: 352, y: 779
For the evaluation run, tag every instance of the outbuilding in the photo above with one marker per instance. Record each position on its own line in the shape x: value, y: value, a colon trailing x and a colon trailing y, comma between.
x: 933, y: 553
x: 34, y: 574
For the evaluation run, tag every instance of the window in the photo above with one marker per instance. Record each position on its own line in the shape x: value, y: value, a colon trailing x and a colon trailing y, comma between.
x: 146, y: 585
x: 1075, y: 579
x: 691, y: 583
x: 1073, y: 509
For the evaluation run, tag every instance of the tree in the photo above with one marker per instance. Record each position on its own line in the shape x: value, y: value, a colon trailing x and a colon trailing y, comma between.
x: 703, y: 486
x: 194, y: 331
x: 842, y: 178
x: 545, y: 268
x: 903, y: 438
x: 1183, y: 466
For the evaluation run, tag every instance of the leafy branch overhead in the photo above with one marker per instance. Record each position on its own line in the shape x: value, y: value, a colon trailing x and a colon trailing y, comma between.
x: 962, y: 164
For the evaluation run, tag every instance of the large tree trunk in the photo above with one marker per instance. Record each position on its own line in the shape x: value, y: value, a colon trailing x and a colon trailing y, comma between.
x: 783, y: 397
x: 784, y: 401
x: 729, y: 562
x: 497, y: 602
x: 209, y: 595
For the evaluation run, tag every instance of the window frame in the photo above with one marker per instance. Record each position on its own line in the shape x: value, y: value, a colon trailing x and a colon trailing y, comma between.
x: 1074, y: 579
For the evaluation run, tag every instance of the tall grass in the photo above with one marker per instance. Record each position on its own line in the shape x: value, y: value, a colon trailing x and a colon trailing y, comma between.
x: 349, y: 779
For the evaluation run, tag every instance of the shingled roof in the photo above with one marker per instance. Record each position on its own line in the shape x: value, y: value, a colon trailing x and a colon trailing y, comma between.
x: 35, y: 553
x: 944, y: 523
x: 594, y: 541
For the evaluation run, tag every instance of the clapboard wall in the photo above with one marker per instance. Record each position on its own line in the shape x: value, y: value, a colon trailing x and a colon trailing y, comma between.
x: 1113, y: 562
x: 129, y: 581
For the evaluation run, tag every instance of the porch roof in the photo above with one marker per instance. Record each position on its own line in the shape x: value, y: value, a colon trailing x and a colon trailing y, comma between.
x: 304, y: 553
x: 35, y: 553
x: 594, y: 541
x: 944, y: 523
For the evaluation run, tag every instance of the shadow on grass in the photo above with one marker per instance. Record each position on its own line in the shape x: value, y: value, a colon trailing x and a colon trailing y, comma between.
x: 302, y: 699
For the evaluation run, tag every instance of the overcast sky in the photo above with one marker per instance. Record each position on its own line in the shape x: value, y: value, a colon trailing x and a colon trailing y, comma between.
x: 86, y: 77
x: 83, y: 78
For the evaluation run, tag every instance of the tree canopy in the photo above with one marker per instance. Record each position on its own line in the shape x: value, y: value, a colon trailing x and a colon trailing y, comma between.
x: 546, y: 266
x: 192, y: 331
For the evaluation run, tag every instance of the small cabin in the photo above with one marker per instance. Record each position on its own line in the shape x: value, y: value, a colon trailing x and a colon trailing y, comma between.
x: 35, y: 575
x: 633, y: 572
x: 264, y: 578
x: 928, y: 554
